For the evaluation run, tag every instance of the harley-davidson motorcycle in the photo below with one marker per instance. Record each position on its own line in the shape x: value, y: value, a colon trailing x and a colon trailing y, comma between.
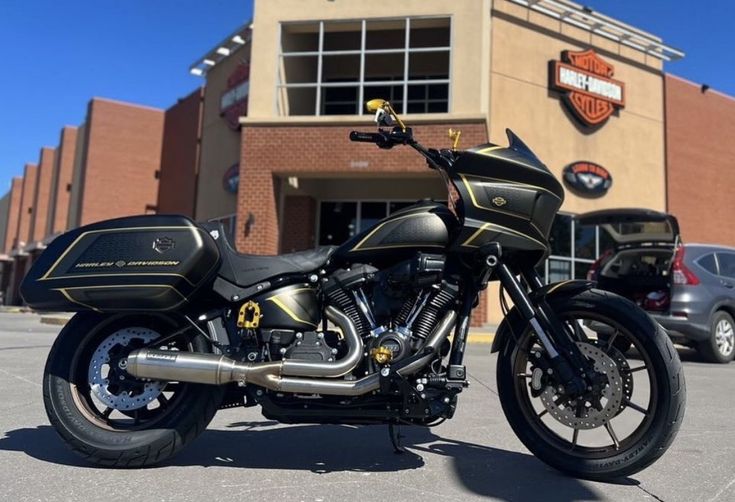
x: 174, y: 324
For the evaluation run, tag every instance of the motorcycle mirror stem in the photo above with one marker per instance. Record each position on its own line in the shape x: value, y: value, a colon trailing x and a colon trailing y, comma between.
x: 379, y: 105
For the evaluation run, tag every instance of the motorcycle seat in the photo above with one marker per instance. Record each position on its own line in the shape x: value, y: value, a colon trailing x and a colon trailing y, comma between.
x: 246, y: 270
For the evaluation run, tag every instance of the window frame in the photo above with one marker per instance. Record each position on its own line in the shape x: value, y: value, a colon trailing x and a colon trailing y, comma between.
x: 716, y: 273
x: 361, y: 82
x: 719, y: 269
x: 572, y: 259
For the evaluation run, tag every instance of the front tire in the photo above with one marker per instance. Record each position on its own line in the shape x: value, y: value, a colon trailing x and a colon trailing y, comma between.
x: 599, y: 460
x: 112, y: 419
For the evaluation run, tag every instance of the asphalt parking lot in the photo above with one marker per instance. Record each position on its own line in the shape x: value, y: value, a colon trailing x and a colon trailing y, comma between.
x: 243, y: 456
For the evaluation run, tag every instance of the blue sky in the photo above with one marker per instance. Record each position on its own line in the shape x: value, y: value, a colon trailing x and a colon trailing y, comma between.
x: 56, y: 55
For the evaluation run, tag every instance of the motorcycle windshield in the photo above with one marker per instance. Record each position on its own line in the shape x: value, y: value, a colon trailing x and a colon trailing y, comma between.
x: 516, y: 152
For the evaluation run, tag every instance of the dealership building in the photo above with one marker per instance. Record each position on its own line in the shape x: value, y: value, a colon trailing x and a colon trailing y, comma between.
x: 263, y: 146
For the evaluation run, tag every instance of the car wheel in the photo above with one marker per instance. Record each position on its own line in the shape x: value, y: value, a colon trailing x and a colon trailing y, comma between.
x: 720, y: 347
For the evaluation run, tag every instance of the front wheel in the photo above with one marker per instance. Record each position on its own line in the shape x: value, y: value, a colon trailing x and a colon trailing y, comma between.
x: 110, y: 417
x: 611, y: 432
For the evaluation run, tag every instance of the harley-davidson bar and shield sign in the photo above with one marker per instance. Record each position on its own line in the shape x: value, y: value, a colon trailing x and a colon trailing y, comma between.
x: 587, y: 87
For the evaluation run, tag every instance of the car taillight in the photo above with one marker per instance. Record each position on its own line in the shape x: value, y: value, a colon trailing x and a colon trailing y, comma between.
x: 592, y: 272
x: 680, y: 272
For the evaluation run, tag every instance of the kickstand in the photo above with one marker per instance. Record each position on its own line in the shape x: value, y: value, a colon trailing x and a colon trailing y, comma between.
x: 395, y: 439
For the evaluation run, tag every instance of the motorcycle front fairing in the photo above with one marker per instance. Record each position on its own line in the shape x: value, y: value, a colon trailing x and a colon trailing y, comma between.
x: 508, y: 196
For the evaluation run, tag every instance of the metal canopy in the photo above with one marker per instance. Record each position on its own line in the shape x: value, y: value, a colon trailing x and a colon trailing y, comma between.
x: 585, y: 18
x: 221, y: 51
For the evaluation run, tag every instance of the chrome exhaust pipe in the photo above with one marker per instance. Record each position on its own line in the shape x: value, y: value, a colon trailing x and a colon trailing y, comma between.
x: 370, y: 382
x: 218, y: 369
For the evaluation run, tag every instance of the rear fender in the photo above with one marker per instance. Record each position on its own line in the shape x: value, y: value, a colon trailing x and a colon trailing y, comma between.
x: 547, y: 294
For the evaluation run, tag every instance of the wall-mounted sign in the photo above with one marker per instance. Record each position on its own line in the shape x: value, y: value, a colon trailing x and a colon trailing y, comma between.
x: 588, y: 90
x: 587, y: 178
x: 234, y: 101
x: 231, y: 178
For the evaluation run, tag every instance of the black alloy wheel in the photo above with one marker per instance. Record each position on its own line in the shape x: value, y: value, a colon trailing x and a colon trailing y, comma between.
x: 110, y: 417
x: 611, y: 432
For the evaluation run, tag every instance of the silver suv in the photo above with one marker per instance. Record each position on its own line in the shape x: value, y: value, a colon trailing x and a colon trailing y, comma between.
x: 688, y: 288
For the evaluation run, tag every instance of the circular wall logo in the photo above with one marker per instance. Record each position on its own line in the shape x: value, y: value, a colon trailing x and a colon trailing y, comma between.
x: 587, y: 178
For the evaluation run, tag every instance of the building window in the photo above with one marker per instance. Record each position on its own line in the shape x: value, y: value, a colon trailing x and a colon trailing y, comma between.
x: 574, y: 248
x: 340, y: 220
x: 332, y: 67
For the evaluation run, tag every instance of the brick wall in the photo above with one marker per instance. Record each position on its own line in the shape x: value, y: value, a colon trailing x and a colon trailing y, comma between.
x: 11, y: 230
x: 123, y: 155
x: 268, y: 151
x: 180, y: 156
x: 42, y: 194
x: 298, y: 223
x: 61, y: 185
x: 700, y: 159
x: 26, y: 205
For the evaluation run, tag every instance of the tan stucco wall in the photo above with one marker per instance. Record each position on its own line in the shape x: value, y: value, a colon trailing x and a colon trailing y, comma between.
x: 220, y: 147
x: 630, y: 145
x: 469, y: 65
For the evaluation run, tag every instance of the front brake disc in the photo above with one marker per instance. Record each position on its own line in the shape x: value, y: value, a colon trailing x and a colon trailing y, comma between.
x: 581, y: 414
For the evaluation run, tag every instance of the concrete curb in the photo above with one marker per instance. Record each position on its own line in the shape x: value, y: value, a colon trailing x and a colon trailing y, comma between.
x: 480, y: 337
x: 55, y: 320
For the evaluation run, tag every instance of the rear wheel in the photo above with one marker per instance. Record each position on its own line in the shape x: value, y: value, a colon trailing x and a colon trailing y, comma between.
x: 110, y: 417
x: 720, y: 346
x: 611, y: 432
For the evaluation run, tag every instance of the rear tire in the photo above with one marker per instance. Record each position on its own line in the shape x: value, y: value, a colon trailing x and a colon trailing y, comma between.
x: 720, y: 346
x: 657, y: 430
x: 120, y: 443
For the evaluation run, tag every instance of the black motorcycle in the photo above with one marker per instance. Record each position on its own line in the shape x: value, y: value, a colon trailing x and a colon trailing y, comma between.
x: 174, y: 324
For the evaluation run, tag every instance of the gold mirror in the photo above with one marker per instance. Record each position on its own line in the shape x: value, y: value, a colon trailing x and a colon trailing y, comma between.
x: 375, y: 104
x: 384, y: 113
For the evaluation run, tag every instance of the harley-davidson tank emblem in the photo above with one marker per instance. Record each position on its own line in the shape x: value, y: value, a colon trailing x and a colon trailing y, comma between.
x: 587, y: 87
x: 163, y: 244
x: 587, y: 178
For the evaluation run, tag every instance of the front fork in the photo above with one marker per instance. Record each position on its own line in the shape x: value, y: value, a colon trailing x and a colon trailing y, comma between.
x: 573, y: 371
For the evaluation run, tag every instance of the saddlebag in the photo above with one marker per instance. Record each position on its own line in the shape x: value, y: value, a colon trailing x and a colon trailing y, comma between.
x: 134, y: 263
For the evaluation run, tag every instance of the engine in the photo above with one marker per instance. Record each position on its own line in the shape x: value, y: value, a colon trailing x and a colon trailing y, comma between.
x: 394, y: 309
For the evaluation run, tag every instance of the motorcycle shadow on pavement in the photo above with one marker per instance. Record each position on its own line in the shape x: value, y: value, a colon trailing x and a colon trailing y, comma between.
x: 321, y: 449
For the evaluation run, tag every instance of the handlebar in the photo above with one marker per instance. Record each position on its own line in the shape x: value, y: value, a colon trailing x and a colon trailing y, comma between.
x: 367, y: 137
x: 436, y: 159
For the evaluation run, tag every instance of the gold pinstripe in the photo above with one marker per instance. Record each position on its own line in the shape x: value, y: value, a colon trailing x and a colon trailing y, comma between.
x: 75, y: 276
x: 89, y: 232
x: 69, y: 297
x: 372, y: 232
x: 557, y: 286
x: 512, y: 183
x: 487, y: 150
x: 499, y: 228
x: 287, y: 310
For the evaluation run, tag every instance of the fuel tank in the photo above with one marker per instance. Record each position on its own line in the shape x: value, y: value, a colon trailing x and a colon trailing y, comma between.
x: 425, y: 226
x: 135, y: 263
